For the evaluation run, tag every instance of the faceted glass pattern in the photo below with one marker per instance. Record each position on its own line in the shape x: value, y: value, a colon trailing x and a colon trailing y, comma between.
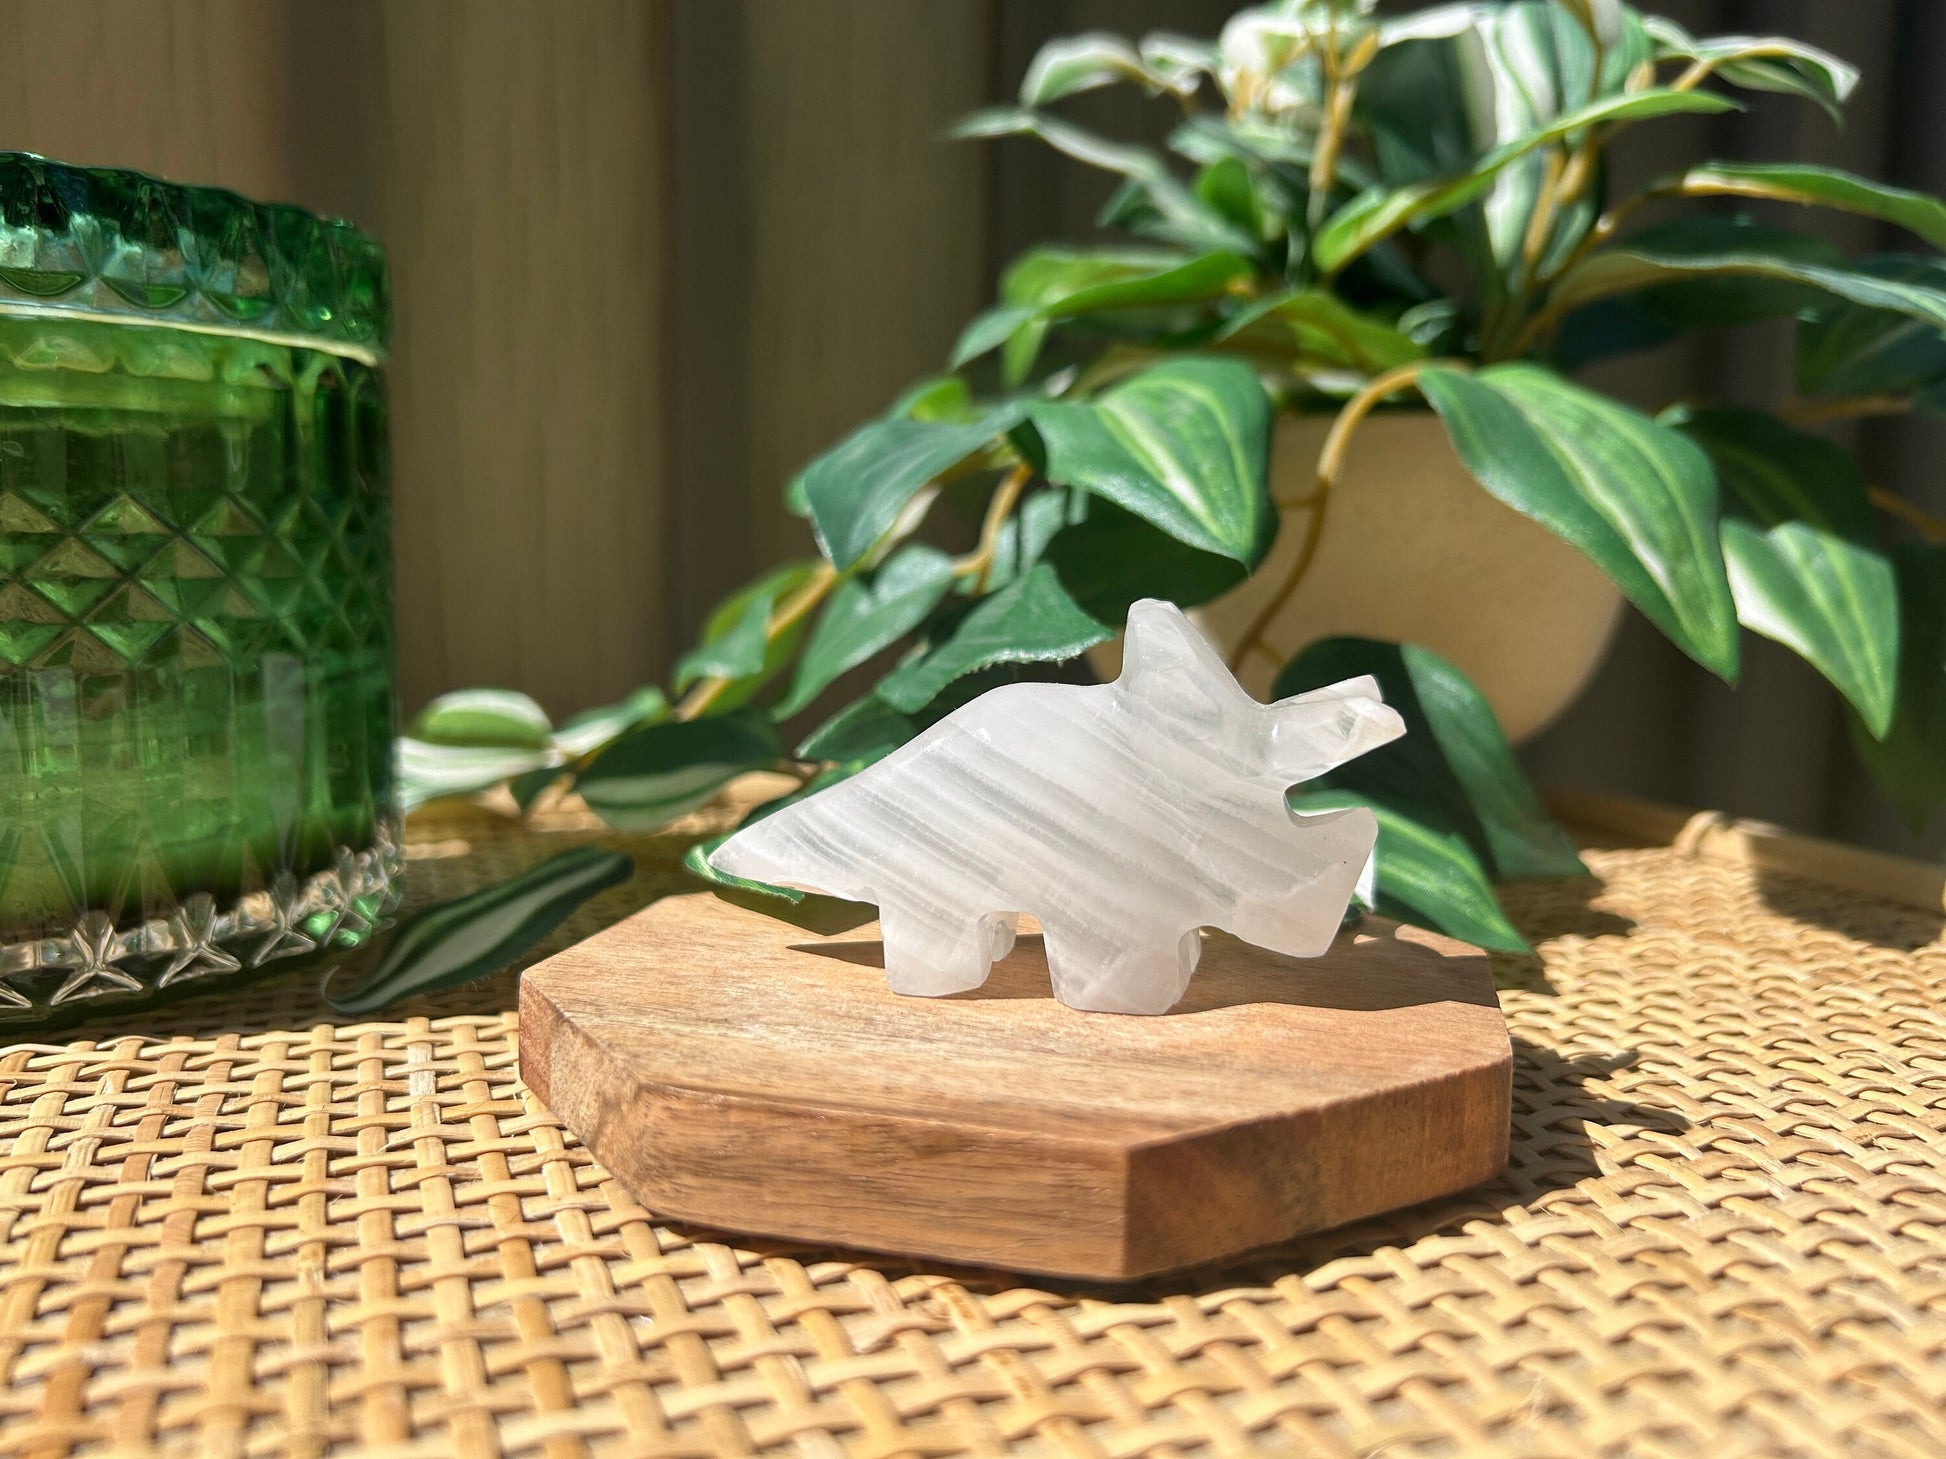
x: 104, y: 242
x: 196, y: 699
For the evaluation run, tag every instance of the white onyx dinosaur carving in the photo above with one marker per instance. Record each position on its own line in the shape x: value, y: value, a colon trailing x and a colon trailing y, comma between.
x: 1124, y: 817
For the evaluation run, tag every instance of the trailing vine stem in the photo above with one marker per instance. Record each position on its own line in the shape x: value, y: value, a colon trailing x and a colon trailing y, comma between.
x: 1340, y: 89
x: 791, y: 611
x: 1331, y: 460
x: 1566, y: 174
x: 1540, y: 322
x: 1800, y: 412
x: 1932, y: 528
x: 977, y: 564
x: 1540, y: 222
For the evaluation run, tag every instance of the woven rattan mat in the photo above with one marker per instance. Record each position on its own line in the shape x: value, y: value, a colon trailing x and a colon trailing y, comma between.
x: 238, y: 1227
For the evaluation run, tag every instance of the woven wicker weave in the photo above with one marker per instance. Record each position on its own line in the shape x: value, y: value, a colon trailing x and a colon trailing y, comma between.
x: 241, y: 1228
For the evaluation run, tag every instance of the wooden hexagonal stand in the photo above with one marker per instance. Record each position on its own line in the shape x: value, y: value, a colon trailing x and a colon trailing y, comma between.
x: 739, y: 1071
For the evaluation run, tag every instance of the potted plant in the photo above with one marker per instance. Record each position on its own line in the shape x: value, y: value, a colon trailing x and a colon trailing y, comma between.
x: 1365, y: 231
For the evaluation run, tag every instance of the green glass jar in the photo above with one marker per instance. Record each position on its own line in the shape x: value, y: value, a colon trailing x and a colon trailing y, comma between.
x: 196, y: 684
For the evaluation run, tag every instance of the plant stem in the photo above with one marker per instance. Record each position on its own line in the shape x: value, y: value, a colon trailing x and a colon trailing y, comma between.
x: 1540, y: 222
x: 1538, y: 323
x: 978, y: 564
x: 1694, y: 76
x: 1110, y: 365
x: 1565, y: 178
x: 1701, y: 70
x: 1932, y: 528
x: 1575, y: 180
x: 1561, y: 188
x: 1850, y: 407
x: 1604, y: 228
x: 1580, y: 170
x: 1339, y: 91
x: 1331, y: 460
x: 786, y: 614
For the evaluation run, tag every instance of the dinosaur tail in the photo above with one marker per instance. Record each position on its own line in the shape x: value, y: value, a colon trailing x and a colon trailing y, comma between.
x: 776, y: 850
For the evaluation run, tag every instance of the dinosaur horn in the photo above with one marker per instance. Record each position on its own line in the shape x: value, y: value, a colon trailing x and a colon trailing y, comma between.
x: 1315, y: 732
x: 1160, y: 640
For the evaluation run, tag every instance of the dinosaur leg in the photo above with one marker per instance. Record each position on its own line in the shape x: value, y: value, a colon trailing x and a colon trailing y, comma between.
x: 931, y: 951
x: 1108, y: 975
x: 1328, y: 855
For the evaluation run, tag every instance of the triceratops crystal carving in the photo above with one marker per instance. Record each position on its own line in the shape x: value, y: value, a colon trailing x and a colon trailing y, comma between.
x: 1124, y: 817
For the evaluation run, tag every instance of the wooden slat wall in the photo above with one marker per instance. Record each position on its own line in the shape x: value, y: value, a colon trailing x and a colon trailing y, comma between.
x: 192, y: 89
x: 510, y: 157
x: 647, y: 262
x: 829, y: 244
x: 652, y: 254
x: 632, y: 295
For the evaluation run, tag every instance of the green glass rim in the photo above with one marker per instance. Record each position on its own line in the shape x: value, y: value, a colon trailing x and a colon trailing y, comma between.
x: 123, y: 247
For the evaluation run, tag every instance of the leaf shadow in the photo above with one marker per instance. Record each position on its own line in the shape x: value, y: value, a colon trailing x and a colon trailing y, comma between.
x: 1859, y: 916
x: 1546, y: 908
x: 1550, y: 1149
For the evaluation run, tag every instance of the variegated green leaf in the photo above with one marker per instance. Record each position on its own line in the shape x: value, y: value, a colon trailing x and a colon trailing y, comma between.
x: 1630, y: 267
x: 655, y: 773
x: 470, y: 937
x: 1805, y: 564
x: 1427, y: 877
x: 856, y: 490
x: 1909, y: 762
x: 864, y: 617
x: 1077, y: 63
x: 1847, y: 349
x: 1828, y: 187
x: 428, y: 772
x: 737, y: 645
x: 1380, y: 212
x: 1184, y: 444
x: 1183, y: 217
x: 1761, y: 63
x: 504, y: 718
x: 1317, y: 325
x: 1637, y: 497
x: 1031, y: 620
x: 1453, y: 770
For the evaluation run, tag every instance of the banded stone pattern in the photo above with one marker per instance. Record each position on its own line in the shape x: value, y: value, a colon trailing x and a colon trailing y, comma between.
x: 1123, y: 817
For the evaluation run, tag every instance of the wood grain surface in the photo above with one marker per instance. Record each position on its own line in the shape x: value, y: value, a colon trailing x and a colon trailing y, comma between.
x: 741, y: 1071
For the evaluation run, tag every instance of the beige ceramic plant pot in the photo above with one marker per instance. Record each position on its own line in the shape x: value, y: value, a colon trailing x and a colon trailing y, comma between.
x: 1414, y: 550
